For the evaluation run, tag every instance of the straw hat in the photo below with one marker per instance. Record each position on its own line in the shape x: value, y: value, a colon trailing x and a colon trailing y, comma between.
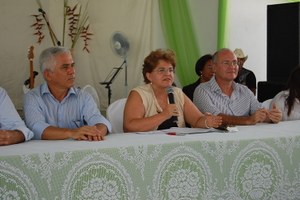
x: 240, y: 54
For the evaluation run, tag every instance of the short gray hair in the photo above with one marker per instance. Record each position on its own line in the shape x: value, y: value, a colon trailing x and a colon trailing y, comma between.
x: 46, y: 59
x: 216, y: 54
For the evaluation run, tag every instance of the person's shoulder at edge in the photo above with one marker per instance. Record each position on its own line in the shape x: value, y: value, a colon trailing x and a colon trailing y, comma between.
x: 1, y: 90
x: 284, y: 93
x: 142, y: 87
x: 175, y: 88
x: 241, y: 88
x: 209, y: 85
x: 280, y: 99
x: 251, y: 74
x: 203, y: 88
x: 189, y: 89
x: 249, y: 70
x: 19, y: 127
x: 38, y: 90
x: 191, y: 85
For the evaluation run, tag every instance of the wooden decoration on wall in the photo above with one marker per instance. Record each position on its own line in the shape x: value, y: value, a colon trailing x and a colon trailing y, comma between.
x: 30, y: 58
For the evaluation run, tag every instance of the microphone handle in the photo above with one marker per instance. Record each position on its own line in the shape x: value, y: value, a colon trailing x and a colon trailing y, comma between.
x: 171, y: 101
x: 171, y: 98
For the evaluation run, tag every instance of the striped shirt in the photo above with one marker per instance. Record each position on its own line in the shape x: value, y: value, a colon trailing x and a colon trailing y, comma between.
x: 77, y: 109
x: 208, y: 97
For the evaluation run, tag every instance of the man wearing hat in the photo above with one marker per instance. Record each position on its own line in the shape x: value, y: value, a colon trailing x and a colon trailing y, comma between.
x: 245, y: 76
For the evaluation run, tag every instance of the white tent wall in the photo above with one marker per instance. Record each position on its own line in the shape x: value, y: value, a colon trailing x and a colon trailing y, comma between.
x: 248, y: 30
x: 205, y: 19
x: 139, y: 20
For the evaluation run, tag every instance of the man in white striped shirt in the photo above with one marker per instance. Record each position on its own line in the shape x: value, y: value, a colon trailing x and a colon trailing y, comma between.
x: 234, y: 102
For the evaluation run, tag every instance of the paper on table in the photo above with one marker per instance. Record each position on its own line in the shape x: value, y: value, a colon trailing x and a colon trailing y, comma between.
x: 185, y: 131
x: 150, y: 132
x: 180, y: 131
x: 228, y: 129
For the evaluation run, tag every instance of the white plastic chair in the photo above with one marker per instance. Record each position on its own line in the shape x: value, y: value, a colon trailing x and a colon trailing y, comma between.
x: 90, y: 89
x: 114, y: 114
x: 25, y: 89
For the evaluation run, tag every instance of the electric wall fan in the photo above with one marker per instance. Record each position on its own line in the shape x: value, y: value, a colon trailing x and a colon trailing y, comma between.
x: 120, y: 46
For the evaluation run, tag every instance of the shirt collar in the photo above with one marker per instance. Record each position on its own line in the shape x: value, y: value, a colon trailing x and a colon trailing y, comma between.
x: 216, y: 88
x: 214, y: 85
x: 45, y: 90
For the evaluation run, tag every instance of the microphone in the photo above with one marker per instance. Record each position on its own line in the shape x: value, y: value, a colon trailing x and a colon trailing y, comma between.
x: 170, y: 92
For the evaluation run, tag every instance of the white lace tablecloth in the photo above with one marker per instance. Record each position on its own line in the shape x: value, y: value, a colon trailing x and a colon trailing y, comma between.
x: 257, y: 162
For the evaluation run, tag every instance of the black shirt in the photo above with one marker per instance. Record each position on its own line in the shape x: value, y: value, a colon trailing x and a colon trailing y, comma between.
x: 246, y: 77
x: 189, y: 89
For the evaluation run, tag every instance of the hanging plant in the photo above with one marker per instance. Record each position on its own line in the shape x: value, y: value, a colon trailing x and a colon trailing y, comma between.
x: 74, y: 17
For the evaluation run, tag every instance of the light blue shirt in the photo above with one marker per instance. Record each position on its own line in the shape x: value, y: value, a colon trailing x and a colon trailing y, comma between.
x: 208, y: 97
x: 77, y: 109
x: 9, y: 117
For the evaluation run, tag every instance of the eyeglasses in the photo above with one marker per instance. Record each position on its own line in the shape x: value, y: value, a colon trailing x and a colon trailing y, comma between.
x: 162, y: 70
x: 228, y: 63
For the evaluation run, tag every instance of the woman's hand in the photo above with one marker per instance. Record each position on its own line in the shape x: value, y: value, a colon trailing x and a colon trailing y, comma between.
x: 170, y: 110
x: 212, y: 121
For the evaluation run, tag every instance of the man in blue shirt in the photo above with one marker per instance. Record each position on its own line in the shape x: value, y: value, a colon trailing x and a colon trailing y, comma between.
x: 56, y: 109
x: 12, y: 128
x: 233, y: 101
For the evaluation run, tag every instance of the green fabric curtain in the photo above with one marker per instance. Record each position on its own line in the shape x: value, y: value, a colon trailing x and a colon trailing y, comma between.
x: 222, y: 24
x: 180, y: 36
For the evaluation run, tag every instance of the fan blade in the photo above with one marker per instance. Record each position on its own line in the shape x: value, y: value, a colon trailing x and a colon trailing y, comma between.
x: 117, y: 45
x: 120, y: 44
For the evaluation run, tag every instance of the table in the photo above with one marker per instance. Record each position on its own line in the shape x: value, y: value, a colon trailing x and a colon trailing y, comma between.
x: 257, y: 162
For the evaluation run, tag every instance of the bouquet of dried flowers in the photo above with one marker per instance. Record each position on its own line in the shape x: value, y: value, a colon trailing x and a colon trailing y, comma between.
x: 78, y: 26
